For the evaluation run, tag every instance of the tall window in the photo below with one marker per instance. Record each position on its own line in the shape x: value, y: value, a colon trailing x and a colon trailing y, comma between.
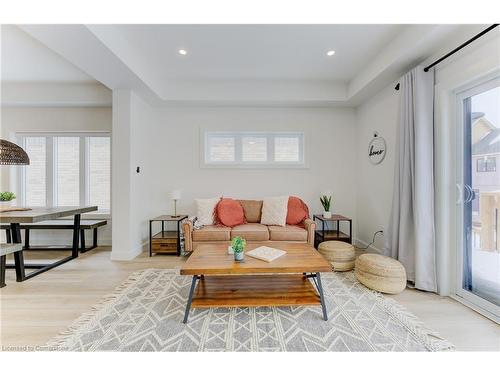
x: 99, y: 171
x: 67, y: 170
x: 35, y: 188
x: 241, y: 149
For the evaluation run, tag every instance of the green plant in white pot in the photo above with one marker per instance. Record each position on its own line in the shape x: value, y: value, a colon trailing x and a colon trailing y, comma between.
x: 326, y: 201
x: 238, y: 244
x: 6, y: 198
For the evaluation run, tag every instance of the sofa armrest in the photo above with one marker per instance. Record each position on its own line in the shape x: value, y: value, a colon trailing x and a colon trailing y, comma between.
x: 187, y: 228
x: 310, y: 226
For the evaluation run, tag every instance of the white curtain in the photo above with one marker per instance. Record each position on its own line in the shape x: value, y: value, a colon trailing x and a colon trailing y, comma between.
x: 410, y: 237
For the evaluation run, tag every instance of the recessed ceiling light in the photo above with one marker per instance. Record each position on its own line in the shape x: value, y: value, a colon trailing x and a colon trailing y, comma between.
x: 183, y: 52
x: 331, y: 52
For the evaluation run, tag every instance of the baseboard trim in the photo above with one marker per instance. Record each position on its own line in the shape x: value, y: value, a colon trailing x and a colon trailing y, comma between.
x: 126, y: 255
x: 358, y: 242
x: 121, y: 255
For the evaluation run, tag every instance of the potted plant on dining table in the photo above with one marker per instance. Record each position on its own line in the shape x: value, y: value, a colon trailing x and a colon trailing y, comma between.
x: 6, y: 199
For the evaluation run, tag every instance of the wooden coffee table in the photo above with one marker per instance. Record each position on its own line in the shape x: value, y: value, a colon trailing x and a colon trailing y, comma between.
x: 222, y: 282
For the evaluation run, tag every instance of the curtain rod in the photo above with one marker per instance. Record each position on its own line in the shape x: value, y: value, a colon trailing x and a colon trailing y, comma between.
x: 426, y: 69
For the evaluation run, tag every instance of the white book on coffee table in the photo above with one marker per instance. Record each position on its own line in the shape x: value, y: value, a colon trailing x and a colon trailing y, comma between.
x: 265, y: 253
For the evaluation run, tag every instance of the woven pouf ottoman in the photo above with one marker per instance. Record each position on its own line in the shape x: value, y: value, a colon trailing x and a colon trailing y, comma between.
x: 340, y: 254
x: 380, y: 273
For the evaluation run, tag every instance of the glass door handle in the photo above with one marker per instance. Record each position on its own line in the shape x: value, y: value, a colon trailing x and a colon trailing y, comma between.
x: 470, y: 194
x: 465, y: 194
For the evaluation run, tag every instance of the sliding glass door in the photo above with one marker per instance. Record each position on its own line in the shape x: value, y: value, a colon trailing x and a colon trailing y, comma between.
x: 479, y: 201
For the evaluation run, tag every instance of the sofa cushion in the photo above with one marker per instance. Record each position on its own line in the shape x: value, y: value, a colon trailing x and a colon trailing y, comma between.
x: 287, y: 233
x: 212, y: 233
x: 274, y: 210
x: 229, y: 212
x: 251, y: 232
x: 252, y: 209
x: 297, y: 211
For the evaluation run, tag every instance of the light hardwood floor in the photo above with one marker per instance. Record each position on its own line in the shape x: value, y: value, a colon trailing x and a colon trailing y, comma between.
x: 36, y: 310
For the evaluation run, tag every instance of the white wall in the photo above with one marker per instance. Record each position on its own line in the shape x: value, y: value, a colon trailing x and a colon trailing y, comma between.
x: 375, y: 182
x: 380, y: 113
x: 165, y: 144
x: 120, y: 174
x: 55, y: 94
x: 143, y: 156
x: 45, y: 119
x: 131, y: 191
x: 330, y: 144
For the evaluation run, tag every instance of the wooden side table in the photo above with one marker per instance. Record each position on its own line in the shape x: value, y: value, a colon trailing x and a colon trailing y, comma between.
x: 334, y: 233
x: 166, y: 241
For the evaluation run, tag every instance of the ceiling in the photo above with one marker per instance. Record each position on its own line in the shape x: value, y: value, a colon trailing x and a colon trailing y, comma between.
x: 262, y: 52
x: 227, y: 64
x: 25, y: 59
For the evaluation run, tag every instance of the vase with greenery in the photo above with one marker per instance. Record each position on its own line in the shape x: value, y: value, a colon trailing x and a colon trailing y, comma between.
x: 238, y: 244
x: 6, y: 198
x: 326, y: 201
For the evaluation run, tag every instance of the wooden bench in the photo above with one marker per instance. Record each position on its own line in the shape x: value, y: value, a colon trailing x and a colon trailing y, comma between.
x: 5, y: 249
x: 58, y: 224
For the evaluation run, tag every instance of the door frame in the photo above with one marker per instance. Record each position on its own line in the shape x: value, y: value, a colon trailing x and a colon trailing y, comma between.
x: 466, y: 297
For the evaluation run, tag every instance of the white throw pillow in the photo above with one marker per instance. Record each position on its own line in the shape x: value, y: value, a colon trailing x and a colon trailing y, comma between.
x: 205, y: 210
x: 274, y: 211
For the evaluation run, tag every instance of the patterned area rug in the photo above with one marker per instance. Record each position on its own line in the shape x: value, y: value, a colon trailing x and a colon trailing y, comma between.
x: 145, y: 314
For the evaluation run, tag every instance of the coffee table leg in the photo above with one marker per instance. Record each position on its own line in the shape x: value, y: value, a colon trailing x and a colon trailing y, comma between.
x: 320, y: 290
x: 190, y: 298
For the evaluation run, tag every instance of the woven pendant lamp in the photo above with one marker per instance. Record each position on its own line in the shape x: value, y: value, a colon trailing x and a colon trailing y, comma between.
x: 12, y: 154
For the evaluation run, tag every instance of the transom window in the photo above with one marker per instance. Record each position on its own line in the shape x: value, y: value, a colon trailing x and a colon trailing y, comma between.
x: 66, y: 170
x: 253, y: 149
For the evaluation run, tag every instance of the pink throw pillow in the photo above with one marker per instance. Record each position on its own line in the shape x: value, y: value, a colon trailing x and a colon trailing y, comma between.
x: 230, y: 212
x: 297, y: 211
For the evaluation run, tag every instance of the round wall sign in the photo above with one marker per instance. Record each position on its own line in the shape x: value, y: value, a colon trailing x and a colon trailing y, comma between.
x: 376, y: 150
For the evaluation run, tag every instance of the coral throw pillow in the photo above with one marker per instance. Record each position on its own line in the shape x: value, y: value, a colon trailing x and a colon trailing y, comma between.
x: 230, y: 212
x: 297, y: 211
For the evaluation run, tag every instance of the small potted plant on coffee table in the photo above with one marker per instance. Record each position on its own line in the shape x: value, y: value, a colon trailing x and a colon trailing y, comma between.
x: 238, y: 244
x: 326, y: 201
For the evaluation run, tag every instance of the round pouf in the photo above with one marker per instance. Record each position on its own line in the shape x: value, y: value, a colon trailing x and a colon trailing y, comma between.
x: 339, y: 253
x: 380, y: 273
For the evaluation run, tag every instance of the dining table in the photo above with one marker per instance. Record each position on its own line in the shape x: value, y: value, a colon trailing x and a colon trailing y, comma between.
x: 34, y: 215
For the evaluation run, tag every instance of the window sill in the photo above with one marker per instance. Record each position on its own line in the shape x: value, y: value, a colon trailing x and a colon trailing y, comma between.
x: 252, y: 166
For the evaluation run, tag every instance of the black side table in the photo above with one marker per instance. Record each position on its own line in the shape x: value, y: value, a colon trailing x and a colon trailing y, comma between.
x: 166, y: 241
x: 334, y: 233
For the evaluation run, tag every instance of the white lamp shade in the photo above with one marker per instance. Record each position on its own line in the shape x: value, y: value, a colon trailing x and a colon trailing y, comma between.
x: 175, y: 194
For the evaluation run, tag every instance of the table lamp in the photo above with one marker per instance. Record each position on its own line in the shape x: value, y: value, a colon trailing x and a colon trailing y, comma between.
x: 175, y: 195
